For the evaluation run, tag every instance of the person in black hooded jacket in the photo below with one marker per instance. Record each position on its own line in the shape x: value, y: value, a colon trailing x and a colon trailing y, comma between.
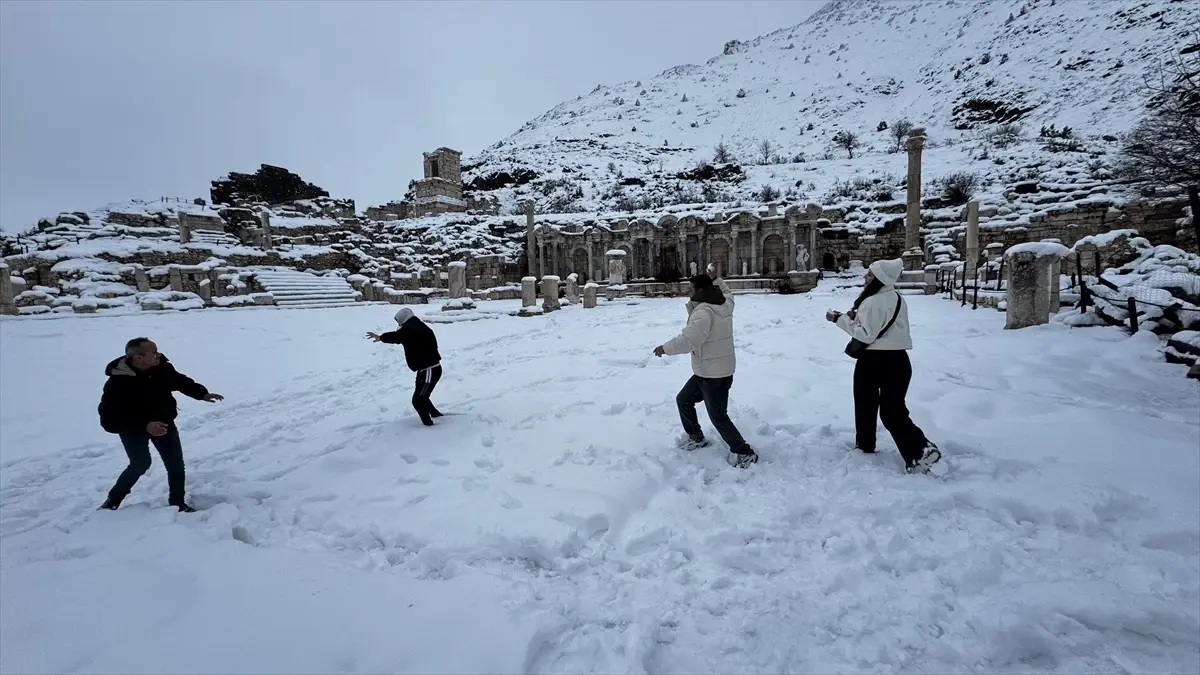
x: 138, y: 405
x: 421, y: 354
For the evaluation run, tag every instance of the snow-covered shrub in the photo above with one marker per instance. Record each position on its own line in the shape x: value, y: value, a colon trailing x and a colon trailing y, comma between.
x: 958, y: 188
x: 1004, y: 135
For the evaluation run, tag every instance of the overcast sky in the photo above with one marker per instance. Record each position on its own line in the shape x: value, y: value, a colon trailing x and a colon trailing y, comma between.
x: 104, y: 101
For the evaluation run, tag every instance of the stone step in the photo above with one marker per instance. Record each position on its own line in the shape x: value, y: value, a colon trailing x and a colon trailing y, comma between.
x: 313, y: 297
x: 313, y: 304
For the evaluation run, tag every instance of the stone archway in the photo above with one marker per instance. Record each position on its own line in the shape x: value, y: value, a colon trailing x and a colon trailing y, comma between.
x: 579, y: 263
x: 774, y: 255
x: 643, y: 253
x: 827, y: 261
x: 719, y: 249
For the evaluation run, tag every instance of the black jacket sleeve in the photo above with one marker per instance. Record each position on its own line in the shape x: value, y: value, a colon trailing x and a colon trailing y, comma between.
x: 186, y: 385
x: 116, y: 415
x: 395, y: 337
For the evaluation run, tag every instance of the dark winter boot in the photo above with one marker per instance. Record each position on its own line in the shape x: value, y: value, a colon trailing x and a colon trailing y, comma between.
x: 183, y: 507
x: 929, y: 457
x: 111, y: 504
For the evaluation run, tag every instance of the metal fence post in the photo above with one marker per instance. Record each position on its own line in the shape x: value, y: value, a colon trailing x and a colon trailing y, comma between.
x: 1133, y: 322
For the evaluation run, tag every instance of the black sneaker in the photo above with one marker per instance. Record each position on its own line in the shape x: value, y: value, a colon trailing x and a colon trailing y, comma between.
x: 110, y: 504
x: 929, y: 457
x: 436, y: 414
x: 743, y: 460
x: 184, y: 508
x: 865, y: 451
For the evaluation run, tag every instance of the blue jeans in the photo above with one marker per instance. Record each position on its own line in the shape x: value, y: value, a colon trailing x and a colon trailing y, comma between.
x: 137, y: 447
x: 714, y: 391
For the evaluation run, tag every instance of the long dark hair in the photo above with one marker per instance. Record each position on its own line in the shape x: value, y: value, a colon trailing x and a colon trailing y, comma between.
x: 870, y: 289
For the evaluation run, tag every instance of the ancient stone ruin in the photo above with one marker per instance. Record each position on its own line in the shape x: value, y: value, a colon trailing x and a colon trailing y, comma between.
x: 1031, y: 296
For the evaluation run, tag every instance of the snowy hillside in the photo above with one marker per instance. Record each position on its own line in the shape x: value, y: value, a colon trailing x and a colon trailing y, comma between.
x: 776, y: 103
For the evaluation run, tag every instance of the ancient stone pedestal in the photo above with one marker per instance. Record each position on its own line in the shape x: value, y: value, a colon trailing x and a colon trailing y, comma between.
x: 204, y: 290
x: 1029, y: 296
x: 7, y: 301
x: 368, y: 292
x: 912, y: 216
x: 528, y: 291
x: 176, y: 277
x: 185, y: 230
x: 589, y: 295
x: 572, y: 289
x: 550, y: 293
x: 914, y: 261
x: 457, y: 278
x: 802, y: 282
x: 142, y: 280
x: 616, y: 267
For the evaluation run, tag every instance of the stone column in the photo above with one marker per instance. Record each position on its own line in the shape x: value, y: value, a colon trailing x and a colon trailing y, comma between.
x: 755, y: 254
x: 589, y: 295
x: 791, y: 251
x: 7, y: 301
x: 912, y: 217
x: 541, y: 267
x: 264, y: 220
x: 973, y: 239
x: 1055, y: 282
x: 204, y: 290
x: 573, y: 289
x: 616, y: 267
x: 591, y: 269
x: 530, y: 243
x: 185, y: 229
x: 528, y: 291
x: 550, y: 293
x: 176, y: 277
x: 1028, y: 295
x: 457, y: 273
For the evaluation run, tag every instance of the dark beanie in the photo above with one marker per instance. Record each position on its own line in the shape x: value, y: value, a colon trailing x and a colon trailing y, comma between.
x: 701, y: 281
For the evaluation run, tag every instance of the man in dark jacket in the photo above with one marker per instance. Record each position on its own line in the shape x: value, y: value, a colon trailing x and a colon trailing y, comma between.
x: 421, y: 353
x: 137, y: 405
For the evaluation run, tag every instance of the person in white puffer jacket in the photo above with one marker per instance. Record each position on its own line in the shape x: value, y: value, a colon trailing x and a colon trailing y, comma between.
x: 879, y: 319
x: 708, y: 336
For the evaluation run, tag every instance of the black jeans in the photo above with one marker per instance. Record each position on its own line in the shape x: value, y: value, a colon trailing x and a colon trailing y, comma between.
x: 426, y: 381
x: 714, y: 391
x: 137, y: 447
x: 881, y: 379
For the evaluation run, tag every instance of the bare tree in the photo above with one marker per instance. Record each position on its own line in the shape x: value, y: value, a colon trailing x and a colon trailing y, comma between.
x: 765, y: 149
x: 900, y: 129
x: 1164, y: 147
x: 847, y: 141
x: 721, y: 153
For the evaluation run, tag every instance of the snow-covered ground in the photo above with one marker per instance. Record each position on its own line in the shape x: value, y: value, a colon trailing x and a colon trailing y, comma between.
x: 550, y: 526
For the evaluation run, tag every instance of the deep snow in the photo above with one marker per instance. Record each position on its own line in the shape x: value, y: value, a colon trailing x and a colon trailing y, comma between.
x: 550, y: 526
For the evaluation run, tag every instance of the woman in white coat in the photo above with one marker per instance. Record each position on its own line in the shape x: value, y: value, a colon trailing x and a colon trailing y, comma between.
x: 879, y: 319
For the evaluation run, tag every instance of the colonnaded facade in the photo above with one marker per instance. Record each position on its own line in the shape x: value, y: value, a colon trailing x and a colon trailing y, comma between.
x: 744, y: 244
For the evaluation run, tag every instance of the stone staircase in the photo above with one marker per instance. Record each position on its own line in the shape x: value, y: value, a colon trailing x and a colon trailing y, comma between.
x: 215, y: 238
x: 304, y: 290
x: 912, y: 282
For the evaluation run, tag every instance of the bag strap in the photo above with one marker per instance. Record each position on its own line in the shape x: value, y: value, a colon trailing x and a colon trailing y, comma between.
x: 895, y: 315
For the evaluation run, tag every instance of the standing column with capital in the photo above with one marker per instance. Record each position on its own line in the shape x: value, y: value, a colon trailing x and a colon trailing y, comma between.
x: 530, y: 244
x: 912, y: 217
x: 972, y: 261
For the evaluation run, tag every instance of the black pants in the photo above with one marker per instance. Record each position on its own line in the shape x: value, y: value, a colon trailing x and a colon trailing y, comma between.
x: 137, y: 447
x: 881, y: 381
x: 426, y: 380
x: 714, y: 391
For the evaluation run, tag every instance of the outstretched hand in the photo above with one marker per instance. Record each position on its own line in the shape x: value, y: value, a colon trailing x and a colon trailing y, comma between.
x: 832, y: 316
x: 659, y: 351
x: 212, y: 398
x: 373, y: 336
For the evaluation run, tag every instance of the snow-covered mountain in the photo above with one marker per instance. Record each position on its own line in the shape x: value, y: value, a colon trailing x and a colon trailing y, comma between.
x: 959, y: 68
